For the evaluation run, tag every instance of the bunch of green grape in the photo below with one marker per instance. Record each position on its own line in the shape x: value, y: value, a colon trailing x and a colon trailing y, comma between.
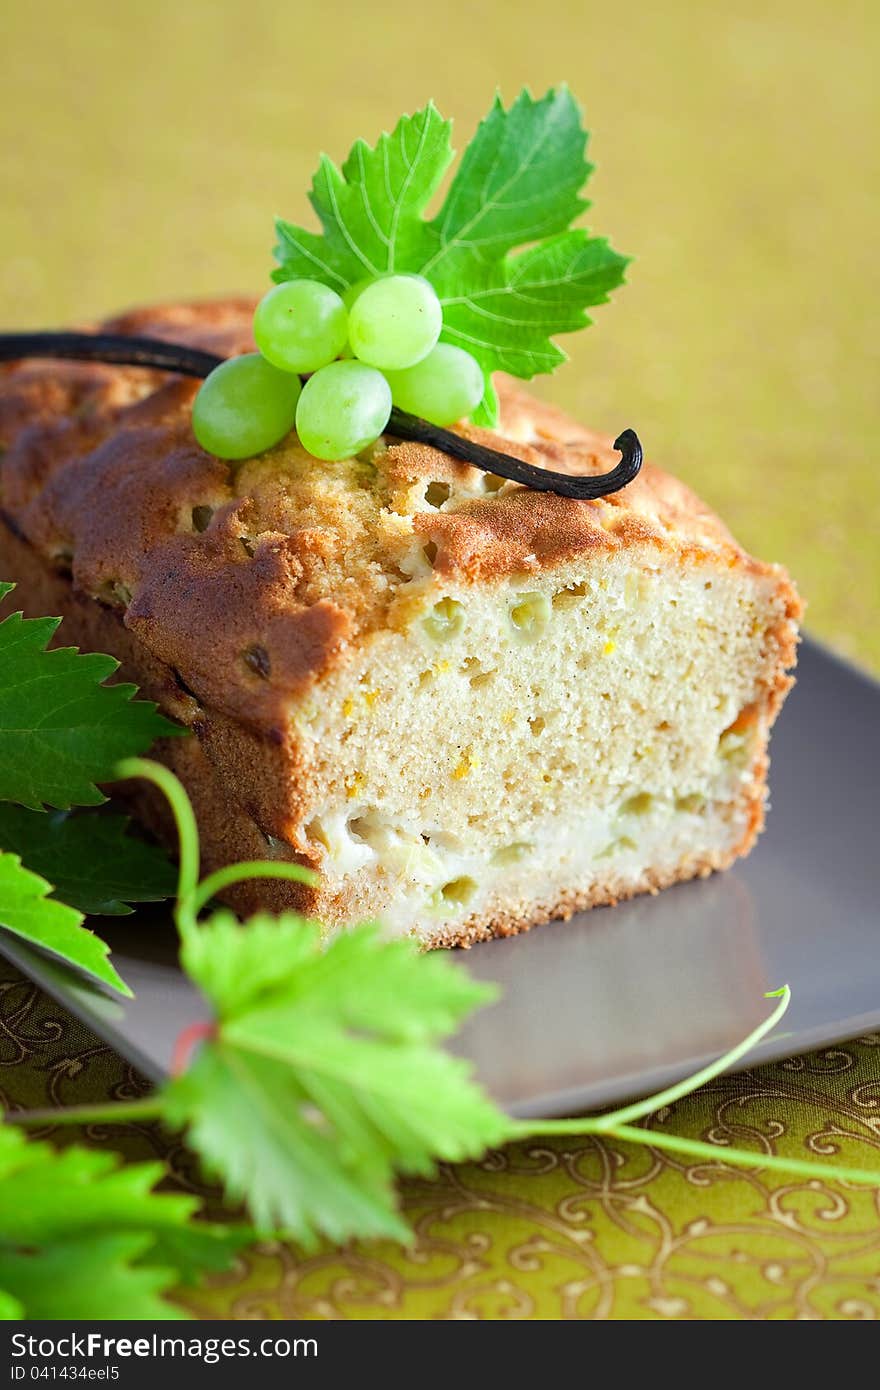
x: 375, y: 345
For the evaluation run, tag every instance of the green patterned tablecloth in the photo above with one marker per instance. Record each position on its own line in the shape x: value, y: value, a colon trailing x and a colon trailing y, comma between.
x: 584, y: 1229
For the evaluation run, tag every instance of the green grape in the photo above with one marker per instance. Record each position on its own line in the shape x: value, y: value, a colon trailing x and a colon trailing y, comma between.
x: 343, y: 408
x: 245, y: 406
x: 301, y: 325
x: 445, y: 386
x: 356, y: 290
x: 395, y: 322
x: 348, y: 297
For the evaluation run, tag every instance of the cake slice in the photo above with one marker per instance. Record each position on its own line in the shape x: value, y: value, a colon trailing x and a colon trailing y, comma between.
x: 472, y: 707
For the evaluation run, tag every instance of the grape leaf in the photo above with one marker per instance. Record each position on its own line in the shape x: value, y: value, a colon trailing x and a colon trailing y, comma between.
x: 199, y: 1248
x: 61, y: 728
x: 9, y: 1307
x: 93, y: 863
x: 321, y: 1080
x: 504, y: 313
x: 83, y: 1237
x: 27, y: 912
x: 518, y: 185
x: 519, y: 180
x: 371, y: 209
x: 85, y: 1277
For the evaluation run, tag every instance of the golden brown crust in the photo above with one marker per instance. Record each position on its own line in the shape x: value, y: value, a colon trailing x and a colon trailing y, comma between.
x: 244, y: 787
x: 252, y: 582
x: 225, y: 772
x: 226, y: 592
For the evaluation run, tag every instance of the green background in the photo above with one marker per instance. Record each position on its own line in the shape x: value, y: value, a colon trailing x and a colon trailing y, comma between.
x: 145, y: 147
